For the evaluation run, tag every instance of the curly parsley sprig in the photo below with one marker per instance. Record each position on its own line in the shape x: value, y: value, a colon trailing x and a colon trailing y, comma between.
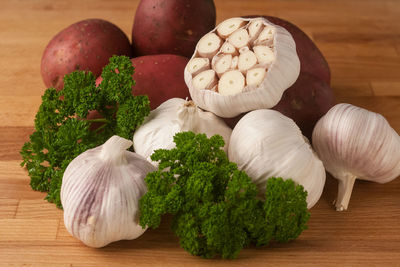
x: 62, y: 130
x: 214, y: 205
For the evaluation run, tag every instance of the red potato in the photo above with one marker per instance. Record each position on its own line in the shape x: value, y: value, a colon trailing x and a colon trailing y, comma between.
x: 171, y: 26
x: 85, y: 45
x: 160, y: 77
x: 306, y: 101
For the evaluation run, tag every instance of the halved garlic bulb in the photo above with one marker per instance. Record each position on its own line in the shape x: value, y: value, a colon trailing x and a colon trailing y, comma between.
x: 265, y: 143
x: 355, y: 143
x: 173, y: 116
x: 241, y: 45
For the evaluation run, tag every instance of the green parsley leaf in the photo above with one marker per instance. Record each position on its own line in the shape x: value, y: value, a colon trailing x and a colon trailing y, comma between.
x: 215, y: 206
x: 62, y: 130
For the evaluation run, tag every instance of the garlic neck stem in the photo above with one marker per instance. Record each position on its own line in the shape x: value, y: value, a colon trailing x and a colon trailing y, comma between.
x: 187, y: 116
x: 114, y: 149
x: 345, y: 188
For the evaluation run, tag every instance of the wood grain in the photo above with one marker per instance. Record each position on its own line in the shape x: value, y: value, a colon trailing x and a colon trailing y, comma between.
x: 361, y: 41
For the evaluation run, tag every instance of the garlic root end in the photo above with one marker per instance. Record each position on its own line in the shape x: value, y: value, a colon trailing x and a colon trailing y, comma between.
x: 345, y: 188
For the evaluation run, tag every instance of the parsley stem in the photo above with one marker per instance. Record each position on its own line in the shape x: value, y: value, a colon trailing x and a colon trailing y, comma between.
x: 101, y: 127
x: 98, y: 120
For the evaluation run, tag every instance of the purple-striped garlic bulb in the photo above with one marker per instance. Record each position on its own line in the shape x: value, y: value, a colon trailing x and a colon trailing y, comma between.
x: 355, y: 143
x: 100, y: 193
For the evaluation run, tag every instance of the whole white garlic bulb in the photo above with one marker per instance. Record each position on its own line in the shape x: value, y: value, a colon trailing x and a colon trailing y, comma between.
x: 355, y: 143
x: 243, y: 64
x: 265, y: 144
x: 173, y: 116
x: 100, y: 193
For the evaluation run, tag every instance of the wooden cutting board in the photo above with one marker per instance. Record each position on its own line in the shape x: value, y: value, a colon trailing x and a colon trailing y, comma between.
x: 361, y: 41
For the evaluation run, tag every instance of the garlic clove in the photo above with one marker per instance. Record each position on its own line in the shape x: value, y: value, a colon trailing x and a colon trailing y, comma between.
x: 173, y: 116
x: 100, y: 193
x: 222, y: 63
x: 231, y: 83
x: 209, y: 45
x: 227, y: 27
x: 205, y: 80
x: 228, y: 48
x: 265, y: 55
x: 255, y: 28
x: 255, y: 76
x: 355, y: 143
x: 266, y: 36
x: 239, y: 39
x: 235, y: 61
x: 265, y: 143
x: 275, y: 51
x: 244, y: 49
x: 197, y: 65
x: 247, y: 60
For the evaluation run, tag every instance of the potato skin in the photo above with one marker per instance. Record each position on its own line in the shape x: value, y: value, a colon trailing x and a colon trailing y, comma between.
x: 171, y: 26
x: 85, y: 45
x: 160, y: 77
x: 306, y: 101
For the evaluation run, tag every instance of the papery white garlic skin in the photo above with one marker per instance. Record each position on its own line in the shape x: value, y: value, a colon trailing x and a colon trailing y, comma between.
x: 100, y: 193
x: 265, y: 143
x: 173, y: 116
x: 280, y: 74
x: 355, y: 143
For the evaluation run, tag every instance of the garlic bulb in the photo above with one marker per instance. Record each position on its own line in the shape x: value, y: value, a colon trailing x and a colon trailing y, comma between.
x: 173, y: 116
x: 265, y: 144
x: 243, y: 64
x: 100, y: 193
x: 355, y: 143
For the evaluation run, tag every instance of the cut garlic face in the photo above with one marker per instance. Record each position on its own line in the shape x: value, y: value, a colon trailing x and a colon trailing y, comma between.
x: 239, y: 39
x: 264, y: 54
x: 228, y: 48
x: 208, y: 45
x: 227, y: 27
x: 244, y: 44
x: 173, y: 116
x: 247, y: 60
x: 266, y: 36
x: 100, y: 193
x: 255, y: 28
x: 223, y: 64
x: 355, y: 143
x: 205, y: 79
x: 255, y: 76
x: 265, y: 143
x: 198, y: 65
x: 234, y: 80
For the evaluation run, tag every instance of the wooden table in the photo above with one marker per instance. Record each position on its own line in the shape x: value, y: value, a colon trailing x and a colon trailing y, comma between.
x: 361, y: 41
